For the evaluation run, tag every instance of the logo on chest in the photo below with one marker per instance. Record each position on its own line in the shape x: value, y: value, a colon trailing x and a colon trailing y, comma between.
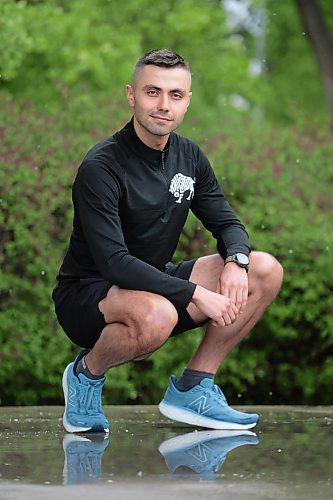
x: 179, y: 185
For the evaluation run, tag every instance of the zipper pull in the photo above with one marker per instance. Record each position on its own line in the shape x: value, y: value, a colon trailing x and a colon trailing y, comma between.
x: 162, y: 160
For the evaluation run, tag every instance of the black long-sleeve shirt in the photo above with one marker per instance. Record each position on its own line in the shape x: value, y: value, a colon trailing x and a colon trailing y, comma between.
x: 130, y: 205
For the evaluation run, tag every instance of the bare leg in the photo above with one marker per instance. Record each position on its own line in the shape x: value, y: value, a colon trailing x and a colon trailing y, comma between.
x: 265, y: 278
x: 138, y: 324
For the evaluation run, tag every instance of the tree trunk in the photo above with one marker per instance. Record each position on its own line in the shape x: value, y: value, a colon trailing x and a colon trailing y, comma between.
x: 322, y: 44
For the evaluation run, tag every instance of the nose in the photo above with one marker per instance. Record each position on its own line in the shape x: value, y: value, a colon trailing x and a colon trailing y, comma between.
x: 163, y: 103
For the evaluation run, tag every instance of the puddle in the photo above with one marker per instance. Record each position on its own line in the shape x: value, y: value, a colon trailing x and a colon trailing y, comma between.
x: 290, y: 455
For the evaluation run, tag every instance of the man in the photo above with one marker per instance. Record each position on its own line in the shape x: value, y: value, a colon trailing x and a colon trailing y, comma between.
x: 119, y: 297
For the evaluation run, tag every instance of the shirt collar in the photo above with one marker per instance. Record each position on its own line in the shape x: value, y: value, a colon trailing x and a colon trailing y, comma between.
x: 140, y: 148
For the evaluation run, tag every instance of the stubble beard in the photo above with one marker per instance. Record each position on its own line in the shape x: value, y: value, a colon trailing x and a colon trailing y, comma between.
x: 154, y: 129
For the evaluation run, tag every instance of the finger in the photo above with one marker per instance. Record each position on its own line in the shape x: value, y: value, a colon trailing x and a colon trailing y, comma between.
x: 232, y: 317
x: 227, y: 319
x: 218, y: 322
x: 233, y: 312
x: 234, y: 308
x: 233, y: 294
x: 239, y: 299
x: 224, y: 290
x: 244, y: 299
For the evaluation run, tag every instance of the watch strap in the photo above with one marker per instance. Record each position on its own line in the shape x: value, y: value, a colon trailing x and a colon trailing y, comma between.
x: 233, y: 258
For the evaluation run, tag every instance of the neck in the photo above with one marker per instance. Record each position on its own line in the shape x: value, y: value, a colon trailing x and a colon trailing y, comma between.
x: 150, y: 140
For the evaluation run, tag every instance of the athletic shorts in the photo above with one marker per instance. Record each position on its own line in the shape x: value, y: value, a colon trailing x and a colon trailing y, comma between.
x: 76, y: 306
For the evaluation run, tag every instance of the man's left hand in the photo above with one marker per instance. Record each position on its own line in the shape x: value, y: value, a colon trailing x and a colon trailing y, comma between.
x: 234, y: 284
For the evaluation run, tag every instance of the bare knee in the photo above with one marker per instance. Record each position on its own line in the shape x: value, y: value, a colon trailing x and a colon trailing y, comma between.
x: 148, y: 317
x: 265, y: 274
x: 155, y: 324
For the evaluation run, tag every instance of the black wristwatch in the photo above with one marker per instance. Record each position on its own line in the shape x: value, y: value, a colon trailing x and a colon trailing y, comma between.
x: 240, y: 259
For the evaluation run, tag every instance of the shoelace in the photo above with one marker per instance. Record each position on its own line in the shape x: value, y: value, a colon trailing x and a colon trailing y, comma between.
x: 219, y: 393
x: 89, y: 398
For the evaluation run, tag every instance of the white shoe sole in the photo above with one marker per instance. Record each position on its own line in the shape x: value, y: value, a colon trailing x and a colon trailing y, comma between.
x: 198, y: 437
x: 188, y: 417
x: 69, y: 427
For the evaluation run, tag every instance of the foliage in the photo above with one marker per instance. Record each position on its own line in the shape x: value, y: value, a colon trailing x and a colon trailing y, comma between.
x: 62, y: 67
x: 273, y: 181
x: 281, y: 184
x: 289, y: 63
x: 52, y: 49
x: 39, y: 157
x: 54, y: 54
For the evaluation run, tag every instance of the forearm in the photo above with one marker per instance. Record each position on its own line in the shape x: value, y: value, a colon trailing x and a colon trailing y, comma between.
x: 131, y: 273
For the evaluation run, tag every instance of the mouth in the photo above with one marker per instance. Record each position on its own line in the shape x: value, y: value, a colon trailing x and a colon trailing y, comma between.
x: 162, y: 118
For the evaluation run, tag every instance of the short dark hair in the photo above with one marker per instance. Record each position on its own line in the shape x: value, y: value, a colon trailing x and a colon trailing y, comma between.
x: 164, y: 58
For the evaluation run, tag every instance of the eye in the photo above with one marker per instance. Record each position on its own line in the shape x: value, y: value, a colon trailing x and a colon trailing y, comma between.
x: 152, y: 93
x: 177, y: 95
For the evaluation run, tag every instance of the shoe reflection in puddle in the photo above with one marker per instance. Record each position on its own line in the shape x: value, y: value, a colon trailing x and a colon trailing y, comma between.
x: 203, y: 452
x: 83, y: 454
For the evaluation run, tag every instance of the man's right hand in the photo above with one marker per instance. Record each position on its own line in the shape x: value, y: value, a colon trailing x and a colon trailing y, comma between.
x: 218, y: 307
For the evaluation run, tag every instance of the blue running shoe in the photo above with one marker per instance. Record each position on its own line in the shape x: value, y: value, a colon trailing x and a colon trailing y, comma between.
x: 83, y: 410
x: 205, y: 406
x: 203, y: 452
x: 83, y: 457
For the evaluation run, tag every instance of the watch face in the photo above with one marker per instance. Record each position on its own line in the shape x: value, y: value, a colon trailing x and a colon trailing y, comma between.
x: 242, y: 258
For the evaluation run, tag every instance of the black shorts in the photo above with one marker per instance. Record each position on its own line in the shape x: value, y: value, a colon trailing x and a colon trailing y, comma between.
x: 76, y: 306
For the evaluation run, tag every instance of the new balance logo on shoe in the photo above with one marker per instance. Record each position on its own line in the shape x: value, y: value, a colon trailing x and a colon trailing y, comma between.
x: 200, y: 405
x: 200, y: 452
x: 71, y: 397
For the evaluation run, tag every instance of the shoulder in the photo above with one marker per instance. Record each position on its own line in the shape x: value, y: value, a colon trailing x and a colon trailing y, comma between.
x: 102, y: 160
x: 189, y: 148
x: 107, y: 151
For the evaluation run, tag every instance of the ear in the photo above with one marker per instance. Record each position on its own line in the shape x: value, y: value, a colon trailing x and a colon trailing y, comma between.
x: 189, y: 100
x: 130, y: 95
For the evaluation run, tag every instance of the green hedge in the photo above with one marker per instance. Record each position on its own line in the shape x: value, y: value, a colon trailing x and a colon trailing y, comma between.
x: 280, y: 184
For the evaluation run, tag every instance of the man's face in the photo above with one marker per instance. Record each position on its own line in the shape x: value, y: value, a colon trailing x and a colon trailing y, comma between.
x: 159, y: 98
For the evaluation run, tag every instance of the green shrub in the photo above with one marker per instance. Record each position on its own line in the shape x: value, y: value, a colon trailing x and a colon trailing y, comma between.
x: 279, y: 183
x: 37, y: 164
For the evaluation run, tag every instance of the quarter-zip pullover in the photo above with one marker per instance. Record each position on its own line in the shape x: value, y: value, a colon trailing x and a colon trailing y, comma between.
x: 130, y: 206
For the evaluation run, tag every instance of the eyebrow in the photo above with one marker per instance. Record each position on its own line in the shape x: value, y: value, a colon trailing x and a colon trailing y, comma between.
x: 154, y: 87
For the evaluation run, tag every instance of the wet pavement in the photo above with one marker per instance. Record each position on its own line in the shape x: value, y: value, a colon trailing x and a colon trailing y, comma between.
x: 146, y: 456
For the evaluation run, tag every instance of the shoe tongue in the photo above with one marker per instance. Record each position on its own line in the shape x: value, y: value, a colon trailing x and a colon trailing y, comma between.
x: 207, y: 382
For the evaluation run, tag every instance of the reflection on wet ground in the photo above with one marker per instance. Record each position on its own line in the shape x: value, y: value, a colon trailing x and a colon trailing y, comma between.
x: 290, y: 455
